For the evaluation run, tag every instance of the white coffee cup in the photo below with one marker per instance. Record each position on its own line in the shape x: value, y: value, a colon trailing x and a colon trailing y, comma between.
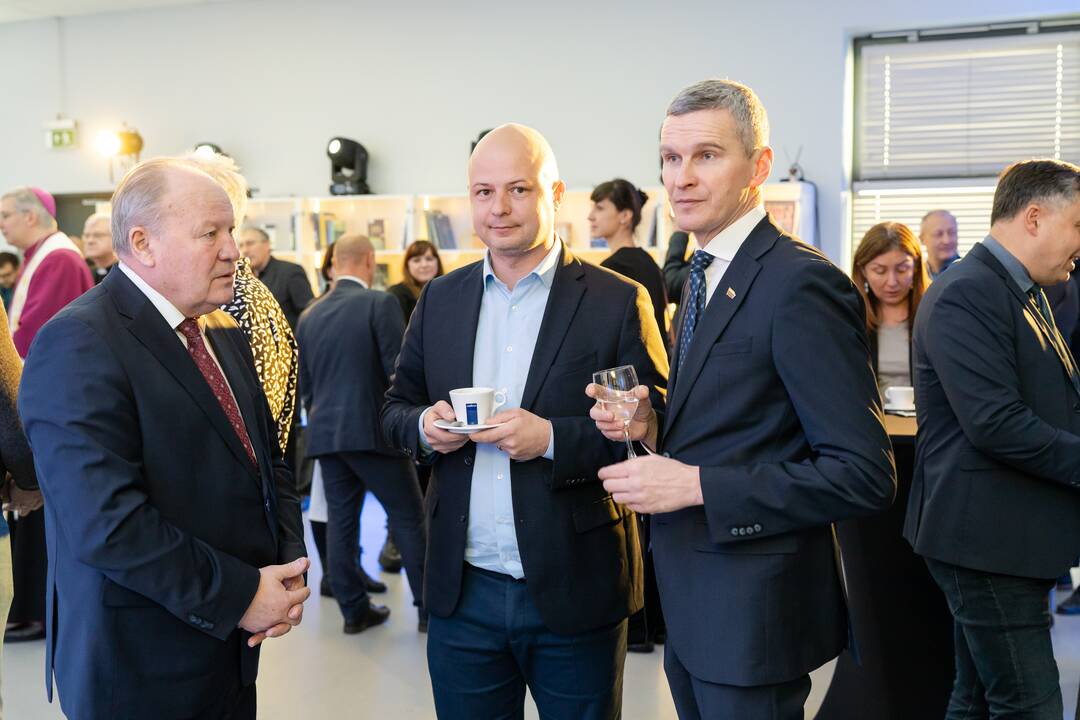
x: 474, y: 405
x: 900, y: 396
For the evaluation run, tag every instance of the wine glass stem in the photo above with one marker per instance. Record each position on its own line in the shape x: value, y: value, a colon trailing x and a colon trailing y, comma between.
x: 629, y: 445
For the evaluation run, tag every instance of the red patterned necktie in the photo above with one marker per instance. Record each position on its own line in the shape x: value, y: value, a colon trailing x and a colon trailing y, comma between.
x: 210, y: 370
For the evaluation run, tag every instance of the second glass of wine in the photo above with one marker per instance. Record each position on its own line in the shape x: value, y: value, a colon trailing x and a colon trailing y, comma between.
x: 616, y: 396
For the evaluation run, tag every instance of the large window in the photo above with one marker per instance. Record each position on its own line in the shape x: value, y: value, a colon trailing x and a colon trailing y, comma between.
x: 938, y: 114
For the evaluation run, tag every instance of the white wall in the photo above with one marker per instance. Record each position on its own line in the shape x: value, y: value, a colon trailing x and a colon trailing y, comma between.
x: 272, y: 81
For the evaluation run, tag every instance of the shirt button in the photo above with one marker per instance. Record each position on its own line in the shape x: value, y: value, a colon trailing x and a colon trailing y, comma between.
x: 509, y: 348
x: 499, y: 476
x: 513, y: 307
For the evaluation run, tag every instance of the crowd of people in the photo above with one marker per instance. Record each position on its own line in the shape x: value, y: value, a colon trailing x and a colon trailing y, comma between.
x: 183, y: 389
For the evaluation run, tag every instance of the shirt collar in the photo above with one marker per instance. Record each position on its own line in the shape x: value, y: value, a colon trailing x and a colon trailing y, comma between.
x: 1014, y: 267
x: 353, y: 278
x: 728, y: 241
x: 544, y: 270
x: 168, y: 311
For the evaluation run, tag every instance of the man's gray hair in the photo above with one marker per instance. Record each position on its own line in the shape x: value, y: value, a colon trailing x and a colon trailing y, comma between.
x: 1028, y: 181
x: 97, y: 217
x: 138, y: 199
x: 738, y: 99
x: 27, y: 201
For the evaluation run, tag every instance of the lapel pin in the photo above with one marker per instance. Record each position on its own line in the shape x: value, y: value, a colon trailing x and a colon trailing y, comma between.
x: 731, y: 293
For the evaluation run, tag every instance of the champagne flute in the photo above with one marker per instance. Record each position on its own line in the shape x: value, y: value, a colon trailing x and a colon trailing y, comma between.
x: 617, y: 397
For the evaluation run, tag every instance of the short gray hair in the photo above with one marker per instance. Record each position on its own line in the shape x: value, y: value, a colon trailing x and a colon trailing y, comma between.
x: 137, y: 200
x: 738, y: 99
x: 265, y: 236
x: 27, y: 201
x: 97, y: 217
x: 1029, y: 181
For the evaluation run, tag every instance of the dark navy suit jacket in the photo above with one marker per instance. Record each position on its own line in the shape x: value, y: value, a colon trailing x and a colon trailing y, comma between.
x: 580, y: 550
x: 778, y: 406
x: 349, y: 340
x: 997, y: 456
x: 156, y: 520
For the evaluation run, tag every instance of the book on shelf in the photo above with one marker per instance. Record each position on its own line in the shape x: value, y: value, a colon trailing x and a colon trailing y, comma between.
x: 376, y: 231
x: 328, y: 228
x: 382, y: 277
x: 440, y: 230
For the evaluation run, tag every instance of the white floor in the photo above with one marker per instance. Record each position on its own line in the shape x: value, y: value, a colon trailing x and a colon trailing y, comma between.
x: 318, y: 672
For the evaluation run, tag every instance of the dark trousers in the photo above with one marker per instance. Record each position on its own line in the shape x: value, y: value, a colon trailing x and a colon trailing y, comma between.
x: 236, y: 704
x: 1005, y: 664
x: 29, y: 568
x: 495, y: 644
x: 697, y: 699
x: 346, y: 476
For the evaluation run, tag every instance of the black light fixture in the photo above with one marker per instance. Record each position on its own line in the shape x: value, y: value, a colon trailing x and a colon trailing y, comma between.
x: 348, y: 167
x: 209, y: 149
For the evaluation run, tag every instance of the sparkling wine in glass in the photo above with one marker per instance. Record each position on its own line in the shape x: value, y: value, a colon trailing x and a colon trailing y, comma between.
x: 617, y: 397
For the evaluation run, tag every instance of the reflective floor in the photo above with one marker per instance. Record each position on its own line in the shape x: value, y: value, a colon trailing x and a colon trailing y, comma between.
x: 318, y: 672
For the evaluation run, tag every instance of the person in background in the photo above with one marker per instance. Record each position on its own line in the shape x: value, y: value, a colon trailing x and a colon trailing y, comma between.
x: 18, y: 481
x: 676, y: 266
x: 9, y: 273
x: 996, y: 495
x: 615, y: 216
x: 888, y: 271
x: 287, y: 281
x: 97, y: 245
x: 422, y: 264
x: 938, y: 234
x: 349, y: 341
x: 53, y: 274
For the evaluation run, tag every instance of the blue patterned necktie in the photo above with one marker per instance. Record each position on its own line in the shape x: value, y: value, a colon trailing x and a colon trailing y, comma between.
x: 695, y: 301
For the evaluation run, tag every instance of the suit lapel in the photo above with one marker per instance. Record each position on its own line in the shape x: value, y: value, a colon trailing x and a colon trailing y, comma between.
x: 728, y: 297
x: 567, y: 289
x: 459, y: 354
x: 1050, y: 334
x: 150, y: 329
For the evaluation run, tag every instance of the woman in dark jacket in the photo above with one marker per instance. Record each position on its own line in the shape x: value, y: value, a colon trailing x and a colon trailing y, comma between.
x: 422, y: 265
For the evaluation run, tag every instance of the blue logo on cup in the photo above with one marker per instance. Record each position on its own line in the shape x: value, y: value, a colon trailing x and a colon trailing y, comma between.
x: 471, y: 415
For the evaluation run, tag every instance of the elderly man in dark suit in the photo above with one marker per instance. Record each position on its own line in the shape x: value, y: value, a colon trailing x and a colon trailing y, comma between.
x: 349, y: 340
x: 175, y: 540
x: 532, y: 568
x: 995, y: 502
x: 773, y: 430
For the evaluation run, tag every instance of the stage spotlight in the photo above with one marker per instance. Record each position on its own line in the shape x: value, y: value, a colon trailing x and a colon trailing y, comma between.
x: 209, y: 150
x: 348, y: 167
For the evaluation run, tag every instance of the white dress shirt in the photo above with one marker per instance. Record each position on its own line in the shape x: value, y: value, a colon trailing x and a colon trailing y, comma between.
x: 725, y: 244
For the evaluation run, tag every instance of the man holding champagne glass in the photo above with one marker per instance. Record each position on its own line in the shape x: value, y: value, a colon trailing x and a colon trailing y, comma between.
x: 532, y: 568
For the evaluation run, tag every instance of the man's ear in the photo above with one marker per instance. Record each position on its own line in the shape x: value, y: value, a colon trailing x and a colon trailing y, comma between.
x: 141, y: 248
x: 558, y: 188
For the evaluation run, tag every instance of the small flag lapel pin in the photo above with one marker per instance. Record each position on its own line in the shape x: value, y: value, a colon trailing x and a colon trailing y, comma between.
x: 731, y: 293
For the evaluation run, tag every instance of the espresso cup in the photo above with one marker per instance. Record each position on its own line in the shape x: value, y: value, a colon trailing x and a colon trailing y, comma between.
x: 473, y: 406
x: 900, y: 396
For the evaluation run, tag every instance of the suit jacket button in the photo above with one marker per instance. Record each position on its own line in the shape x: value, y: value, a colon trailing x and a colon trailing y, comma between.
x: 667, y: 454
x: 757, y: 527
x: 468, y: 461
x: 742, y: 531
x: 734, y: 532
x: 193, y: 619
x: 461, y: 519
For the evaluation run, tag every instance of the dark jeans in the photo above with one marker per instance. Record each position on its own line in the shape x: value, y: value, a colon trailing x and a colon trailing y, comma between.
x: 495, y: 644
x: 1005, y: 664
x: 697, y: 699
x: 393, y: 481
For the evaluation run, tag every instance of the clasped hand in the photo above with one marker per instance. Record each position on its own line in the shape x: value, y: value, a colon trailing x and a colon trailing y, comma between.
x: 19, y: 501
x: 278, y: 604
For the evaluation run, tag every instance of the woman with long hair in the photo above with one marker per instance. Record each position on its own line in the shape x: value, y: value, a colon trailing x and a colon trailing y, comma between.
x: 422, y: 264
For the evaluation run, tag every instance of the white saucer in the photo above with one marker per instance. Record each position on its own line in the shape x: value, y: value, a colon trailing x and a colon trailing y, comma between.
x: 907, y: 410
x: 461, y: 428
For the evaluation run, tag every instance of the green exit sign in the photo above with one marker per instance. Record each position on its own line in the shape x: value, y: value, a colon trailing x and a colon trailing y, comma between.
x: 61, y: 134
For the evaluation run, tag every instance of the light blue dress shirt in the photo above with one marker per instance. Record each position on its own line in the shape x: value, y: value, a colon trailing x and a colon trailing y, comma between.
x: 506, y: 332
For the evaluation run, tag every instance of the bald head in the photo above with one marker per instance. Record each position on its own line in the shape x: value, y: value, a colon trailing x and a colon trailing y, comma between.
x: 517, y: 142
x: 354, y: 255
x: 938, y: 232
x: 514, y: 191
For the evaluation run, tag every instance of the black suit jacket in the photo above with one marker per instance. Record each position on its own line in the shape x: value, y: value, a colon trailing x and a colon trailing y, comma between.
x: 778, y: 406
x: 997, y: 456
x: 156, y: 520
x: 349, y: 340
x: 290, y: 286
x: 578, y: 547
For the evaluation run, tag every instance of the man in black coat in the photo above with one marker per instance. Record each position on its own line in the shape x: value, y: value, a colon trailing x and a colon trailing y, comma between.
x: 773, y: 430
x: 995, y: 501
x: 532, y: 568
x: 349, y: 340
